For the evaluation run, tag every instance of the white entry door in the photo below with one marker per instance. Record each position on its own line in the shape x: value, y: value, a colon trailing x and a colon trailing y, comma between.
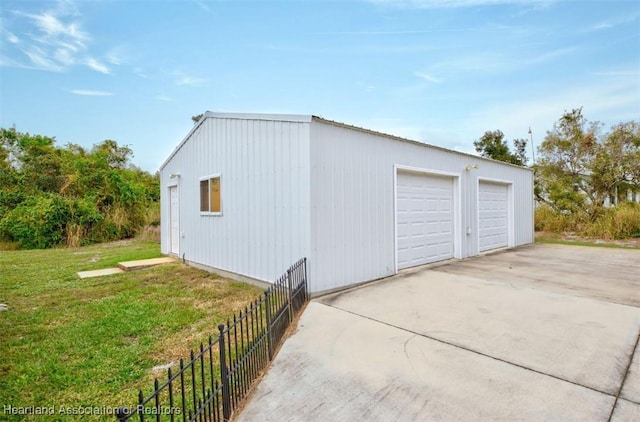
x: 493, y: 215
x: 175, y: 221
x: 424, y: 219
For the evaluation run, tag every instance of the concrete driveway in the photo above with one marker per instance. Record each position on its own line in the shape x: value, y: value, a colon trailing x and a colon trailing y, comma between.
x: 543, y: 332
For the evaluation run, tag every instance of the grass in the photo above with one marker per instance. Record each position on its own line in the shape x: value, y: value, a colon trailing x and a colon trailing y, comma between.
x: 93, y: 342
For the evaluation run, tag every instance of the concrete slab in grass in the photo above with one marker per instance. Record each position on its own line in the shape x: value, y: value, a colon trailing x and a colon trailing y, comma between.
x: 99, y: 273
x: 126, y: 266
x: 144, y: 263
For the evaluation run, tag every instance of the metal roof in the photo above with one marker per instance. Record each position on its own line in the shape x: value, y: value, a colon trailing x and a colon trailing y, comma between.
x: 304, y: 118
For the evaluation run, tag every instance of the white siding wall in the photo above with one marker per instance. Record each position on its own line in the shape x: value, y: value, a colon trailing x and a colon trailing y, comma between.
x: 264, y: 226
x: 293, y: 188
x: 352, y: 201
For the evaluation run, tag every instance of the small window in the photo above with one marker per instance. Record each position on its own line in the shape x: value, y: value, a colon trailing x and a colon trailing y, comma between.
x: 210, y: 195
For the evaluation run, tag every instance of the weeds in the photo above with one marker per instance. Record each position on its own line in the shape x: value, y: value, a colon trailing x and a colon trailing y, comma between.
x: 620, y: 222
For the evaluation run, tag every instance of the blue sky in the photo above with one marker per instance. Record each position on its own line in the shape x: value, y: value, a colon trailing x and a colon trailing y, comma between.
x: 441, y: 72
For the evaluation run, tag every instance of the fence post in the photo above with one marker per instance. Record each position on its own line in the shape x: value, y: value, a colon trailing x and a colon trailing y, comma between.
x: 267, y: 302
x: 122, y: 413
x: 290, y: 295
x: 306, y: 281
x: 224, y: 376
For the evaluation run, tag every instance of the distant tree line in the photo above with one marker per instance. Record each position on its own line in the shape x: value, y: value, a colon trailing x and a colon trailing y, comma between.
x: 585, y: 180
x: 578, y: 166
x: 582, y: 168
x: 51, y: 195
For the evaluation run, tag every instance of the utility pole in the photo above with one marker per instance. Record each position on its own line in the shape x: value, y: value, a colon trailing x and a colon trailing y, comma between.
x: 533, y: 148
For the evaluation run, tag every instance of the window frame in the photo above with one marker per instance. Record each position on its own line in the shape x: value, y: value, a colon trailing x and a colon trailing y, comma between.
x: 209, y: 178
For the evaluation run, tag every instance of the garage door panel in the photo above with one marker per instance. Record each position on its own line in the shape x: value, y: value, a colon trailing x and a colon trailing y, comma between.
x: 417, y: 230
x: 404, y: 230
x: 493, y: 216
x: 424, y: 219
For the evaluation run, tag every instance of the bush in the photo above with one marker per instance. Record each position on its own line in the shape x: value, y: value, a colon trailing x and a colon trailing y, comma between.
x: 84, y: 216
x: 118, y: 222
x: 51, y: 195
x: 550, y: 220
x: 620, y: 222
x: 152, y: 217
x: 38, y: 222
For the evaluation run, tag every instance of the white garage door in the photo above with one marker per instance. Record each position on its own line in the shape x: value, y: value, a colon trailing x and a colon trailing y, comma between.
x: 424, y: 219
x: 493, y: 216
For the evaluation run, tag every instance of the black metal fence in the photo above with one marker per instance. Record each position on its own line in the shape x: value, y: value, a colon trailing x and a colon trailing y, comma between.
x: 217, y: 377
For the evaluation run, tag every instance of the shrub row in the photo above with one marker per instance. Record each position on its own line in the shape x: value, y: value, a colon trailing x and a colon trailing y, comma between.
x: 619, y: 222
x: 70, y: 195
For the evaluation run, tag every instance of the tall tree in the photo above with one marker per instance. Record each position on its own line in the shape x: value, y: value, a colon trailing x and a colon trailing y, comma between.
x: 566, y: 154
x: 615, y: 169
x: 493, y: 145
x: 520, y: 151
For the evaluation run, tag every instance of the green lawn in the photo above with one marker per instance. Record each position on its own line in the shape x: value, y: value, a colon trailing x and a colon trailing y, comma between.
x: 92, y: 342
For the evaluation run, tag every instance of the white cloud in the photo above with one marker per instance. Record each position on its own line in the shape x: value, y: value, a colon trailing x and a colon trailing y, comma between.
x: 97, y: 66
x: 91, y: 93
x: 623, y: 73
x: 64, y: 56
x: 365, y: 87
x: 12, y: 38
x: 427, y: 77
x: 162, y: 97
x: 202, y: 4
x: 55, y: 31
x: 115, y: 56
x: 190, y: 81
x: 138, y: 71
x: 51, y: 40
x: 8, y: 62
x: 490, y: 63
x: 612, y: 23
x: 40, y: 59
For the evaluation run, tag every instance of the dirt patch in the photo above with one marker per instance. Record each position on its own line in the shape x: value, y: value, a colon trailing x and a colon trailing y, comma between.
x: 572, y: 237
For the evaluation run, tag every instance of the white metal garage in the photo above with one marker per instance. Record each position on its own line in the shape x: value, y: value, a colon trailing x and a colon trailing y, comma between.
x: 359, y: 204
x: 425, y: 218
x: 493, y: 215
